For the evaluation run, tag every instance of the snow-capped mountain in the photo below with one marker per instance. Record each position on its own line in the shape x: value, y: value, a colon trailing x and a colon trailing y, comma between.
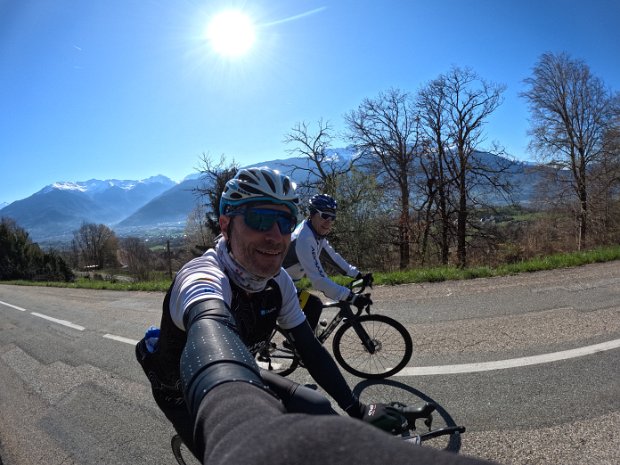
x: 60, y: 208
x: 93, y: 187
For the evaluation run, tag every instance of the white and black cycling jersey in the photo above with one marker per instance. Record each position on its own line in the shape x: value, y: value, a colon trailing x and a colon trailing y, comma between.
x: 304, y: 257
x: 255, y: 314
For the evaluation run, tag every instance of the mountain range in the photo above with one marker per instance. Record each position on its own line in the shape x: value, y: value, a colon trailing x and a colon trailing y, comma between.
x: 157, y: 203
x: 54, y: 212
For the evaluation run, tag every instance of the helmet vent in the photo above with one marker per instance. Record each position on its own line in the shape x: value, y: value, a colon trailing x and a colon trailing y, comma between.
x: 270, y: 182
x: 245, y: 178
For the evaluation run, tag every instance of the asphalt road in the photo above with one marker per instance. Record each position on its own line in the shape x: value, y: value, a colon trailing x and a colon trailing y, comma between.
x: 530, y: 364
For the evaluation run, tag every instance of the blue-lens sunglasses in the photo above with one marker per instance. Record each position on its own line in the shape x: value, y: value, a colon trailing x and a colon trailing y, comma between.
x: 262, y: 219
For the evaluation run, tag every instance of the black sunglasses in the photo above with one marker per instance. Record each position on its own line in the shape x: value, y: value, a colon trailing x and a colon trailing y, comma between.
x: 262, y: 219
x: 327, y: 215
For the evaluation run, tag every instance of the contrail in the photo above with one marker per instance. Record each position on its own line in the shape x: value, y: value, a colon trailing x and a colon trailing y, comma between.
x: 296, y: 17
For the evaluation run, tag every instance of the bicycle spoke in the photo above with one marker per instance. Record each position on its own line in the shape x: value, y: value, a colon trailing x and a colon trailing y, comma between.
x: 391, y: 347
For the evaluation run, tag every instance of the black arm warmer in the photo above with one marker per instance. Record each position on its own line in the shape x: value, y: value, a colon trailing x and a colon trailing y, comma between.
x: 213, y: 353
x: 321, y: 365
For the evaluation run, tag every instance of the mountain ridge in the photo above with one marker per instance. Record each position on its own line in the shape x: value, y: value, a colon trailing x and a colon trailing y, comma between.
x: 158, y: 203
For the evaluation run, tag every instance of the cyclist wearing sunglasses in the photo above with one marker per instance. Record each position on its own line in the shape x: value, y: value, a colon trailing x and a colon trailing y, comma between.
x: 309, y: 246
x: 238, y: 288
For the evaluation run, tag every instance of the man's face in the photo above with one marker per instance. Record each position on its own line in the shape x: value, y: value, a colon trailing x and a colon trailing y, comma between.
x: 320, y: 225
x: 261, y: 253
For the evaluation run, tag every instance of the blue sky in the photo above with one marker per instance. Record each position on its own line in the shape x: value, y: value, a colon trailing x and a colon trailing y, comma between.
x: 128, y: 89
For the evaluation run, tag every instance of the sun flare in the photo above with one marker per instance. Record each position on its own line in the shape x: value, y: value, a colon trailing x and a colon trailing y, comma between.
x: 231, y: 33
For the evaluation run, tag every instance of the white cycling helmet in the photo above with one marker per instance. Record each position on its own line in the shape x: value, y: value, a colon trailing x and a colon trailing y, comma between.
x: 261, y: 184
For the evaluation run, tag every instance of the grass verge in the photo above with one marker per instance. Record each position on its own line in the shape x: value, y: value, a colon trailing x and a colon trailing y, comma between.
x: 449, y: 273
x: 436, y: 274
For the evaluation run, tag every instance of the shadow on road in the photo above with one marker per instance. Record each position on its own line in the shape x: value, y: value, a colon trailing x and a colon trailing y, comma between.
x: 388, y: 390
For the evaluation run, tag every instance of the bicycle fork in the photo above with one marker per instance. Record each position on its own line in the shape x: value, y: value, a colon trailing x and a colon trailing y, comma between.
x: 368, y: 343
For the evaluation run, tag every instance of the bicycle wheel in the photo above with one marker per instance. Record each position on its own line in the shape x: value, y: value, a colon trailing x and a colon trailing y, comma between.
x: 393, y: 347
x: 278, y: 356
x: 177, y: 444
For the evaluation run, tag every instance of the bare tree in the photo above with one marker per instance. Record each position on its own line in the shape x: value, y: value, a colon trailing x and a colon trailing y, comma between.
x: 359, y: 234
x: 605, y: 182
x: 571, y: 110
x: 386, y: 129
x: 136, y: 256
x: 214, y: 178
x: 325, y: 167
x: 198, y: 235
x: 97, y: 245
x: 437, y: 183
x: 469, y: 101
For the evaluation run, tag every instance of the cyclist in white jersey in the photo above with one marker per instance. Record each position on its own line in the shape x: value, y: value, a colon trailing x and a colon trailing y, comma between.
x: 309, y: 248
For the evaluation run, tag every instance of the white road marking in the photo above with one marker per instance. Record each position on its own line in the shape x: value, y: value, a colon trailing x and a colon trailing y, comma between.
x: 13, y: 306
x: 511, y: 363
x: 420, y: 371
x: 60, y: 322
x: 126, y: 340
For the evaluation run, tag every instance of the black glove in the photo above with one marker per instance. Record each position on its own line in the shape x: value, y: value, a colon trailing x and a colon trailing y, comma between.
x: 385, y: 417
x: 361, y: 301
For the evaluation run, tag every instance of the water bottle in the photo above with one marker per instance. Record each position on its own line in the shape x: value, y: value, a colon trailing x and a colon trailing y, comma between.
x: 151, y: 338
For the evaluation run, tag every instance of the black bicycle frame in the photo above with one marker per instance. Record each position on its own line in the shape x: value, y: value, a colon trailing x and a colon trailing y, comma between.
x: 346, y: 312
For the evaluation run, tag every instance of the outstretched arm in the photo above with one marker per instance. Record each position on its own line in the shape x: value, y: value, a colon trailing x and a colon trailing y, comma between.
x: 213, y: 355
x: 238, y: 421
x: 323, y: 368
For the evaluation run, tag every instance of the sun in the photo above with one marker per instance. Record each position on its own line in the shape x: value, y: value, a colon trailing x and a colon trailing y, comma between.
x: 231, y: 33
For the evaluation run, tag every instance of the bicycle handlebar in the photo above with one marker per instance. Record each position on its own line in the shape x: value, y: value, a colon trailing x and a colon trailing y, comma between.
x: 414, y: 413
x: 411, y: 414
x: 358, y: 286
